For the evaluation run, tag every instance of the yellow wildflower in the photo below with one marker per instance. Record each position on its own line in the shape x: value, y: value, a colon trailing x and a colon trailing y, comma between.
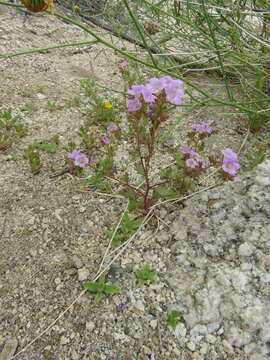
x: 107, y: 104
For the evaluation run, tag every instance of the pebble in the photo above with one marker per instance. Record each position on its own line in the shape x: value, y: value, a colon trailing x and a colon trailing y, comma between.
x: 246, y: 249
x: 211, y: 339
x: 191, y: 346
x: 90, y: 325
x: 83, y: 274
x: 64, y: 340
x: 77, y: 262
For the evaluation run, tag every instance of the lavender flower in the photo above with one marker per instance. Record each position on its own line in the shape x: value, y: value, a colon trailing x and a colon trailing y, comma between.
x: 191, y: 163
x: 134, y: 104
x: 188, y: 151
x: 202, y: 128
x: 112, y: 127
x: 148, y: 95
x: 74, y: 154
x: 122, y: 65
x: 230, y: 166
x: 81, y: 160
x: 106, y: 140
x: 174, y: 94
x: 229, y: 153
x: 136, y: 90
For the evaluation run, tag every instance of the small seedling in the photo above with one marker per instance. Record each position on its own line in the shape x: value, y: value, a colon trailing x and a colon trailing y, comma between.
x: 33, y: 158
x: 173, y: 318
x: 145, y: 275
x: 52, y: 106
x: 49, y: 146
x: 30, y: 108
x: 9, y: 128
x: 126, y: 229
x: 100, y: 288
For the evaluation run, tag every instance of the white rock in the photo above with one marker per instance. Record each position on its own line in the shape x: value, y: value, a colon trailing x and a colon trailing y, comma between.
x: 153, y: 324
x: 198, y: 330
x: 180, y: 330
x: 246, y: 249
x: 191, y: 346
x: 262, y: 180
x: 83, y: 274
x: 211, y: 338
x: 64, y: 340
x: 90, y: 325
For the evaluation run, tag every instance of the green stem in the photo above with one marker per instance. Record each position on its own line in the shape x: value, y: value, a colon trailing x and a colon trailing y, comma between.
x: 32, y: 51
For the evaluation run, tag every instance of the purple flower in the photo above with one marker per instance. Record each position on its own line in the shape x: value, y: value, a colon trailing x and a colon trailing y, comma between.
x: 136, y: 90
x: 202, y: 128
x: 201, y: 163
x: 148, y: 95
x: 187, y: 150
x: 191, y: 163
x: 121, y: 307
x: 230, y: 154
x: 134, y: 104
x: 230, y: 166
x: 74, y: 154
x: 112, y: 127
x: 81, y: 160
x: 123, y: 64
x: 119, y: 46
x: 174, y: 94
x: 106, y: 140
x: 155, y: 85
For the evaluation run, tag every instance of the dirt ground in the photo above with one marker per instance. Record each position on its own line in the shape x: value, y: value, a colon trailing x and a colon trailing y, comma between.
x: 52, y: 229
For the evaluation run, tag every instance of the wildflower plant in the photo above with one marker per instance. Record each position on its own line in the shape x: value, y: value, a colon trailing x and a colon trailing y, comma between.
x: 100, y: 288
x: 10, y: 128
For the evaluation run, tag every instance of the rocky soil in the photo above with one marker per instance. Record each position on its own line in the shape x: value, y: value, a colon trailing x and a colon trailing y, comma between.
x: 211, y: 252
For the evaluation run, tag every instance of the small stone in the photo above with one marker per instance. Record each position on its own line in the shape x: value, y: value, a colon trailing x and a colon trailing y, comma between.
x: 83, y: 274
x: 90, y: 325
x: 246, y: 249
x: 77, y: 262
x: 250, y: 348
x: 204, y: 349
x: 153, y: 324
x: 33, y: 252
x: 139, y: 305
x: 64, y: 340
x: 180, y: 330
x: 262, y: 180
x: 191, y: 346
x: 57, y: 281
x: 211, y: 338
x: 227, y: 347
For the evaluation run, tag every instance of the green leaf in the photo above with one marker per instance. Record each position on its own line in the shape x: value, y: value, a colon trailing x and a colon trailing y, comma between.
x: 139, y: 169
x: 173, y: 318
x: 47, y: 146
x: 98, y: 297
x: 111, y: 289
x: 145, y: 275
x: 92, y: 286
